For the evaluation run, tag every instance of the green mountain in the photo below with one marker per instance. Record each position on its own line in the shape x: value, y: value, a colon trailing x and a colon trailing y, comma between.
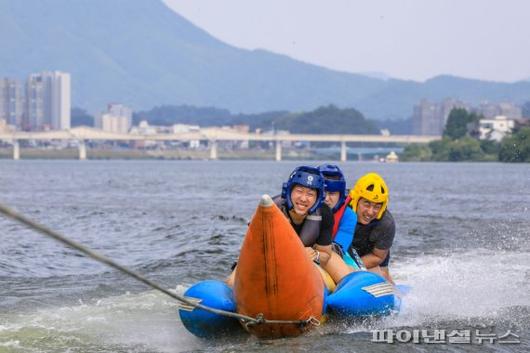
x: 143, y: 54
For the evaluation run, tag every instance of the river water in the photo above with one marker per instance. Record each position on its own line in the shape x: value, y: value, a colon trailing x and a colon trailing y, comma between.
x: 463, y: 244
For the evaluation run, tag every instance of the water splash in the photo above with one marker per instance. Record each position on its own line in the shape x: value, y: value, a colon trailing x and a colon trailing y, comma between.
x: 146, y: 321
x: 462, y: 286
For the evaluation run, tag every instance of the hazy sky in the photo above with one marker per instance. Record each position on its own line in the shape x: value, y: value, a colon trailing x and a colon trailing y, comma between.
x: 409, y: 39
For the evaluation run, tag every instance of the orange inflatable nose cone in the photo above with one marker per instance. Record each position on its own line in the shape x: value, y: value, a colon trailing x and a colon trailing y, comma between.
x: 274, y: 276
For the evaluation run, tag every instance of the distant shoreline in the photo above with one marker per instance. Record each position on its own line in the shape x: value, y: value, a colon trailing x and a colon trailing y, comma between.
x: 98, y: 154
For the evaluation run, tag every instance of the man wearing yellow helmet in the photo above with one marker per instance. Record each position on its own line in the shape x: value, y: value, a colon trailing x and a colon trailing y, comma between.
x: 375, y: 228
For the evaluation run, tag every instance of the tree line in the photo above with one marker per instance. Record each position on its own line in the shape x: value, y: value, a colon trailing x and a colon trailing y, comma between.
x: 328, y: 119
x: 460, y: 143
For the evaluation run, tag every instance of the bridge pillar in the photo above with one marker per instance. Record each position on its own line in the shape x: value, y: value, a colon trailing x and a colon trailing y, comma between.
x: 343, y: 152
x: 82, y: 150
x: 278, y: 150
x: 213, y: 149
x: 16, y: 150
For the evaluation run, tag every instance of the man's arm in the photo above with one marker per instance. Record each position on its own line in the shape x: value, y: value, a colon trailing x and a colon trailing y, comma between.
x: 323, y: 243
x: 374, y: 258
x: 324, y: 253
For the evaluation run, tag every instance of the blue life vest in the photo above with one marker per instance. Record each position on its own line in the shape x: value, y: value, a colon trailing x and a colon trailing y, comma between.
x: 345, y: 233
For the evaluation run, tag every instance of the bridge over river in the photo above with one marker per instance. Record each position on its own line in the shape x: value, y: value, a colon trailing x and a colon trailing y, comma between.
x: 211, y: 135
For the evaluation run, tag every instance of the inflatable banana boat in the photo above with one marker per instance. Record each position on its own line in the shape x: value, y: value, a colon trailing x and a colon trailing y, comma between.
x: 276, y: 283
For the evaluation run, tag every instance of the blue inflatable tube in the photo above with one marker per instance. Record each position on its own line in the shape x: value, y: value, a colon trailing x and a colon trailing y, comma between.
x: 361, y: 294
x: 204, y: 324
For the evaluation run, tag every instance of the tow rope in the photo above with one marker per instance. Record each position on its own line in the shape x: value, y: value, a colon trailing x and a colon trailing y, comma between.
x: 189, y: 302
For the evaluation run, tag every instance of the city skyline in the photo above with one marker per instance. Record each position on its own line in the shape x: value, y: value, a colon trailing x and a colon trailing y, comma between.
x: 41, y: 102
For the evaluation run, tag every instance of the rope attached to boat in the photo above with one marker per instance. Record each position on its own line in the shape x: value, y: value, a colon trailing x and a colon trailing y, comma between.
x: 246, y: 320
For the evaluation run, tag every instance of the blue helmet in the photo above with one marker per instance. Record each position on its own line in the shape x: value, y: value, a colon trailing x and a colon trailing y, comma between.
x: 334, y: 182
x: 309, y: 177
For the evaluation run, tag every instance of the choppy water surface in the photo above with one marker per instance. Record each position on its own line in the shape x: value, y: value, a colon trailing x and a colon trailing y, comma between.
x: 463, y: 244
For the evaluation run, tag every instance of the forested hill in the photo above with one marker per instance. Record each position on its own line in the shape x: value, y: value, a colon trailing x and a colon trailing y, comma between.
x: 323, y: 120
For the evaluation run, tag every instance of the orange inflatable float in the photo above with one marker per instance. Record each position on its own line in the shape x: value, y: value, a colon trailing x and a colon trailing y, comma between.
x: 275, y: 277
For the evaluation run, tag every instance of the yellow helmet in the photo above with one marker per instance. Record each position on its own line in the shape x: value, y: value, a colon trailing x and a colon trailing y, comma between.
x: 372, y: 187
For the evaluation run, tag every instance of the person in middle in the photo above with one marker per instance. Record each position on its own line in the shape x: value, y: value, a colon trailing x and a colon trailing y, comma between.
x: 336, y: 199
x: 345, y: 219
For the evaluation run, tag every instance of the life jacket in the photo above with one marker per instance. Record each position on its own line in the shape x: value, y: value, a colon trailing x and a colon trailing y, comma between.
x: 337, y: 216
x: 311, y: 226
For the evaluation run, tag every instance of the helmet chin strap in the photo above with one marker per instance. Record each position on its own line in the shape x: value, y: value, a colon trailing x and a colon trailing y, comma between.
x: 299, y: 213
x: 296, y: 217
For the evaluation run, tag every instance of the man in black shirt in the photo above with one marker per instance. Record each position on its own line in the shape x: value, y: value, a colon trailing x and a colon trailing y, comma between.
x: 375, y: 228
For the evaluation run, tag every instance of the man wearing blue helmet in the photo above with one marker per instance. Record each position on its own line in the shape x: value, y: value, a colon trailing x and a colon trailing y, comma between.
x: 302, y: 203
x: 345, y: 221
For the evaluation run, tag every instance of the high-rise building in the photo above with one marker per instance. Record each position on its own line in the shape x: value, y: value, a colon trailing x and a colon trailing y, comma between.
x: 492, y: 110
x: 48, y: 101
x: 11, y: 102
x: 117, y: 118
x: 430, y: 118
x: 34, y: 117
x: 111, y: 123
x: 121, y: 110
x: 425, y: 119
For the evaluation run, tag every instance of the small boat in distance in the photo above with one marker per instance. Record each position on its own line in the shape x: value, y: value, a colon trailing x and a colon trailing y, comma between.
x: 392, y: 157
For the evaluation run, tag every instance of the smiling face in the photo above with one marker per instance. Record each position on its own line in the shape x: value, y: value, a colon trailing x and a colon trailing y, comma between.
x: 332, y: 198
x: 367, y: 211
x: 303, y: 199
